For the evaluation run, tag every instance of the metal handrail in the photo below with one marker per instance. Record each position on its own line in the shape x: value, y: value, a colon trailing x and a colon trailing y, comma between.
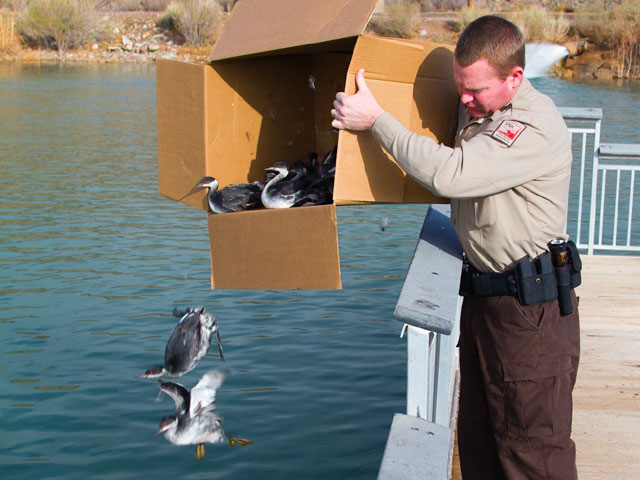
x: 584, y: 126
x: 625, y: 175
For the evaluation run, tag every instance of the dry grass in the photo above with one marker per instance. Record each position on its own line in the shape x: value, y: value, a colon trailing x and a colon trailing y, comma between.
x: 536, y: 23
x: 617, y: 29
x: 468, y: 15
x: 8, y: 37
x: 196, y: 20
x: 400, y: 19
x: 539, y: 25
x: 58, y: 24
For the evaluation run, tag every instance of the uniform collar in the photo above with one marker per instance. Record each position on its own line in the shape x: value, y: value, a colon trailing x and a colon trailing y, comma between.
x: 516, y: 102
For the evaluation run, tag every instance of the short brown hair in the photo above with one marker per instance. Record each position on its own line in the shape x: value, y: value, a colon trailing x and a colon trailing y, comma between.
x: 493, y: 38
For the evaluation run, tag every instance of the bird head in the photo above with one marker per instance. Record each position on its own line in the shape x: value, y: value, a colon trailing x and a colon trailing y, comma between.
x: 166, y: 423
x: 279, y: 168
x: 154, y: 372
x: 207, y: 182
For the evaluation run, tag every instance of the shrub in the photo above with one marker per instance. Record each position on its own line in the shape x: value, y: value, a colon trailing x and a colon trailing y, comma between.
x: 466, y: 16
x: 400, y: 19
x: 536, y: 23
x: 126, y: 6
x: 441, y: 5
x: 155, y: 5
x: 118, y: 5
x: 13, y: 5
x: 227, y: 5
x: 196, y: 20
x: 617, y: 28
x: 539, y: 25
x: 7, y: 31
x: 63, y: 24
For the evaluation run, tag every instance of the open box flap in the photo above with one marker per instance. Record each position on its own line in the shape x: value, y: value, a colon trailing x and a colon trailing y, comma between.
x: 259, y: 26
x: 414, y: 82
x: 182, y: 154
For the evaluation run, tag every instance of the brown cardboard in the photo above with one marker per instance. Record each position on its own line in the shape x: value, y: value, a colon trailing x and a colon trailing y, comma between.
x: 412, y: 80
x: 259, y: 26
x: 275, y: 249
x: 267, y: 98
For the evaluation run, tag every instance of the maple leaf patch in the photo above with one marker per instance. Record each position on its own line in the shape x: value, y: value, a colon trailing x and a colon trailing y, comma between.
x: 508, y: 132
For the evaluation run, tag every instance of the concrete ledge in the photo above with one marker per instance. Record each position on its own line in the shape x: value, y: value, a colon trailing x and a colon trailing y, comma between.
x: 429, y: 295
x: 416, y: 449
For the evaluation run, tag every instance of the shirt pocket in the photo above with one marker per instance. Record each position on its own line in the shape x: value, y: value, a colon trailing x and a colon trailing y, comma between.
x: 485, y: 211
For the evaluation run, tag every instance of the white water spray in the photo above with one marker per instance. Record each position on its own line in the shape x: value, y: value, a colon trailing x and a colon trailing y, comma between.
x: 540, y: 57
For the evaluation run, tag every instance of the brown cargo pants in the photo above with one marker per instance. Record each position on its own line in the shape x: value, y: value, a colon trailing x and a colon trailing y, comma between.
x: 518, y: 366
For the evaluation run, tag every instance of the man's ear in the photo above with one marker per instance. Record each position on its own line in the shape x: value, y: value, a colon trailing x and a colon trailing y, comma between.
x: 515, y: 77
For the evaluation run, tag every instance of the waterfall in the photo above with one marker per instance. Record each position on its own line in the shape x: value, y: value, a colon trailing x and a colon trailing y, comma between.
x: 540, y: 57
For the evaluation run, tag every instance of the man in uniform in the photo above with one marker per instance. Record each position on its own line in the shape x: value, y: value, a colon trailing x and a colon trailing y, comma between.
x: 508, y: 180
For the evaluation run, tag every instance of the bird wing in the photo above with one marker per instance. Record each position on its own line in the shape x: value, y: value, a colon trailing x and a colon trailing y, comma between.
x: 253, y: 186
x: 180, y: 313
x: 285, y: 187
x: 236, y: 199
x: 203, y: 394
x: 178, y: 393
x: 182, y: 352
x: 208, y: 324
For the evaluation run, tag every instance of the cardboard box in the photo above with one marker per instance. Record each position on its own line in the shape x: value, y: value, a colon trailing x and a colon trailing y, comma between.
x: 266, y: 96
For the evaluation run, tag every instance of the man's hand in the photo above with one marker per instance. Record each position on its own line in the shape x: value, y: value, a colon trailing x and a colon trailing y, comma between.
x: 358, y: 111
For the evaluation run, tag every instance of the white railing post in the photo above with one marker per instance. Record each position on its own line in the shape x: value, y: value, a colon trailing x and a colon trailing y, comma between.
x: 594, y: 189
x: 585, y: 121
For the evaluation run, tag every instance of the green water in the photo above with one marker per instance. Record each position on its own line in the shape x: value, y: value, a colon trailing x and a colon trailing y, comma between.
x: 92, y: 262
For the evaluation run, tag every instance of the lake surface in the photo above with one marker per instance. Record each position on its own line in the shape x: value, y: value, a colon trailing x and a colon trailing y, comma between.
x: 93, y: 261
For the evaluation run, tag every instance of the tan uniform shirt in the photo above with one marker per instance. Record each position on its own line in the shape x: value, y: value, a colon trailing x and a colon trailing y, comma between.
x: 507, y: 176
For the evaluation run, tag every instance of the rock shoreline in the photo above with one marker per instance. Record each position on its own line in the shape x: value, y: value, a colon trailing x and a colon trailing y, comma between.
x: 136, y: 37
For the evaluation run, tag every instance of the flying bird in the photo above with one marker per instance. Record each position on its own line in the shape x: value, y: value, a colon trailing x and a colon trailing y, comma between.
x: 195, y: 421
x: 188, y: 343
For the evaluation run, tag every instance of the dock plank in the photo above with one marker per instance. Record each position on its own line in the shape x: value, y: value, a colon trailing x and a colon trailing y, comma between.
x: 606, y: 418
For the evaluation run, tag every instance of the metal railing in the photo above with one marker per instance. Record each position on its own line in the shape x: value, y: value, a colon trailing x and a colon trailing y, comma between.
x: 613, y: 224
x: 604, y: 215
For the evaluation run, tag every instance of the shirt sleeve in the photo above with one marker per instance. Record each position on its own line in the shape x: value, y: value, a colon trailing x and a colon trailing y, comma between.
x: 480, y: 166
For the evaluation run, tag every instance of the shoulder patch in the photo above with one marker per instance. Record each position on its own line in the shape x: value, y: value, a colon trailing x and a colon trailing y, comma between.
x: 508, y: 132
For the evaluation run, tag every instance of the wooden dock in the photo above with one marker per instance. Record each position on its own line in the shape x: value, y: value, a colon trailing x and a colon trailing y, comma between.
x: 606, y: 417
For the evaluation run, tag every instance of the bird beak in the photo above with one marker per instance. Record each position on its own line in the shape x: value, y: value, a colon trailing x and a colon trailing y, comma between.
x: 192, y: 191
